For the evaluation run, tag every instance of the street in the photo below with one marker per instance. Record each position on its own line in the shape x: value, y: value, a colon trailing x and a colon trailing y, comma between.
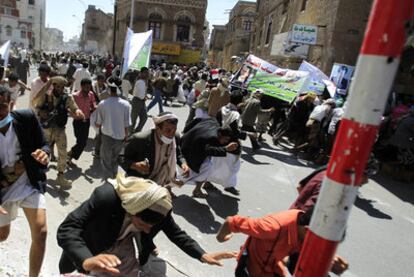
x: 378, y: 239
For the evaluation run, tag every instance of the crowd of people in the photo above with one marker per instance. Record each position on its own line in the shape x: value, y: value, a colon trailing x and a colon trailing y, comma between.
x: 97, y: 237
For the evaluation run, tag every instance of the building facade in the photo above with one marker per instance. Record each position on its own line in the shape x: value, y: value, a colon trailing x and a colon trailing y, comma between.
x: 97, y: 31
x: 53, y: 40
x: 239, y: 30
x: 22, y: 22
x: 178, y: 27
x: 338, y: 28
x: 216, y: 46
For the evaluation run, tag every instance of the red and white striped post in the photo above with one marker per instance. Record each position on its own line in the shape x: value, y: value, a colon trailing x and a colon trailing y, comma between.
x: 377, y: 65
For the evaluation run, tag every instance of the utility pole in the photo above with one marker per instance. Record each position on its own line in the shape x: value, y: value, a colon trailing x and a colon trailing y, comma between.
x: 131, y: 21
x: 388, y: 28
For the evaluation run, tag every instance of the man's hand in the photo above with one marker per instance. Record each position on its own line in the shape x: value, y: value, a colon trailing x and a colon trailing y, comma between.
x: 232, y: 146
x: 141, y: 167
x: 186, y: 170
x: 339, y: 265
x: 79, y: 115
x: 102, y: 263
x: 2, y: 211
x: 214, y: 258
x: 224, y: 234
x: 41, y: 157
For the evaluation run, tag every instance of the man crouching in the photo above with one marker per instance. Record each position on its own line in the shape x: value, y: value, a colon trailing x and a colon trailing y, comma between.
x: 98, y: 236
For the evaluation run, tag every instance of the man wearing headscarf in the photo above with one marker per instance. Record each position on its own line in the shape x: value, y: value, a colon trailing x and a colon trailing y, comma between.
x: 53, y: 115
x: 155, y: 153
x: 98, y: 236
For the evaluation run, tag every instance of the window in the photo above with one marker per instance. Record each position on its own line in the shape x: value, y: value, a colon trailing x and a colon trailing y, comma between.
x: 269, y: 32
x: 93, y: 20
x: 304, y: 3
x: 285, y: 6
x: 183, y: 29
x: 8, y: 11
x: 247, y: 25
x: 23, y: 34
x: 8, y: 31
x: 31, y: 2
x: 155, y: 25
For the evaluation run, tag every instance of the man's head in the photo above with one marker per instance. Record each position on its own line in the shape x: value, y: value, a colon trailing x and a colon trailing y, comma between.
x: 58, y: 84
x: 236, y: 97
x: 86, y: 85
x: 146, y: 202
x: 166, y: 126
x: 100, y: 79
x: 204, y: 76
x: 4, y: 106
x: 144, y: 73
x: 13, y: 79
x: 44, y: 71
x: 114, y: 83
x: 224, y: 135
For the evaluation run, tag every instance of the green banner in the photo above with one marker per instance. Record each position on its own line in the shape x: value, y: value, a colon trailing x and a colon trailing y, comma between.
x: 283, y: 84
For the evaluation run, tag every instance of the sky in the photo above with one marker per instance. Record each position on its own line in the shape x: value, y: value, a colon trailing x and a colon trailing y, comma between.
x: 68, y: 16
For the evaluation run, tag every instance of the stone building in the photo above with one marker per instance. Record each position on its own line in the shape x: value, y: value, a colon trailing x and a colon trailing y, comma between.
x: 22, y: 22
x: 178, y: 27
x: 339, y: 25
x: 239, y: 30
x: 97, y: 31
x: 217, y: 39
x: 53, y: 40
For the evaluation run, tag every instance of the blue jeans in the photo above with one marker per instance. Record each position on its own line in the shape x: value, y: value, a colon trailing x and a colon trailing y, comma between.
x: 157, y: 99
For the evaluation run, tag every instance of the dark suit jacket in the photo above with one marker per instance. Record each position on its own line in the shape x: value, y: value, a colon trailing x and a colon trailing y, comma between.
x: 31, y: 137
x: 200, y: 140
x: 140, y: 146
x: 94, y: 226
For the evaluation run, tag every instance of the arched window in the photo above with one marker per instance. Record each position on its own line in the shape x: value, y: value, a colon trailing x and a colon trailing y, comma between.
x: 247, y: 25
x: 183, y: 28
x: 155, y: 25
x: 8, y: 30
x: 269, y: 32
x: 23, y: 34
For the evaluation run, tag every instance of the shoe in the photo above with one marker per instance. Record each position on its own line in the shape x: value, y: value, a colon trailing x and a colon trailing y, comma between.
x: 63, y: 183
x: 209, y: 186
x: 233, y: 190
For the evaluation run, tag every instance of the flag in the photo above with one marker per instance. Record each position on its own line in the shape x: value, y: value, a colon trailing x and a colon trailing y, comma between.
x: 137, y: 50
x: 4, y: 52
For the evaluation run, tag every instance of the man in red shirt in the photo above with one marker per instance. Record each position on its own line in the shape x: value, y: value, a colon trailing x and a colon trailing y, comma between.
x: 85, y: 100
x: 271, y: 239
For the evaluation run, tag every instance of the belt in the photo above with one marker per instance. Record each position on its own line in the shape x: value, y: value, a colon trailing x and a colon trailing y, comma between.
x: 12, y: 173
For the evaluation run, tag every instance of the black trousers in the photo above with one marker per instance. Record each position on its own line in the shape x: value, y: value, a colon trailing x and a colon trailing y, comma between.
x: 81, y: 130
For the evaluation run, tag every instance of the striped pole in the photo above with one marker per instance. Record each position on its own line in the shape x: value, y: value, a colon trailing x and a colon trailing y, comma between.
x: 377, y: 65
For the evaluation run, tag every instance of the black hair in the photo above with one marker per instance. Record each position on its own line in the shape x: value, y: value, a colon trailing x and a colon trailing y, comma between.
x: 13, y: 76
x: 86, y: 81
x: 85, y: 65
x: 204, y: 76
x: 164, y: 74
x: 236, y: 97
x: 100, y: 77
x: 44, y: 68
x: 144, y: 69
x: 225, y: 132
x: 305, y: 218
x: 5, y: 92
x: 150, y: 216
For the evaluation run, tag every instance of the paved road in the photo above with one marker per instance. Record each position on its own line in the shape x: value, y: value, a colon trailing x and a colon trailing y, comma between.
x: 379, y: 237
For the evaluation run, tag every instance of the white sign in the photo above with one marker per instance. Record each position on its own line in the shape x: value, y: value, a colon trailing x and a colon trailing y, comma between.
x: 259, y: 64
x: 306, y: 34
x: 284, y: 47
